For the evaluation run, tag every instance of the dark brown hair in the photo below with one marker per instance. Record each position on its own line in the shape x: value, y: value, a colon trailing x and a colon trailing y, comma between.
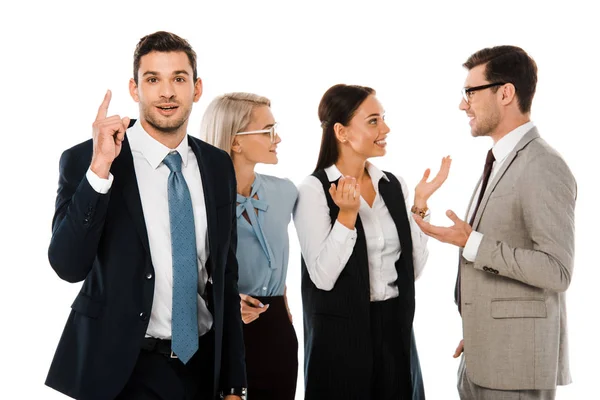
x: 164, y: 42
x: 508, y: 64
x: 338, y: 104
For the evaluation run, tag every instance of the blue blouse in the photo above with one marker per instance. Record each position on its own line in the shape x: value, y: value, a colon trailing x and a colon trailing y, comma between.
x: 263, y: 243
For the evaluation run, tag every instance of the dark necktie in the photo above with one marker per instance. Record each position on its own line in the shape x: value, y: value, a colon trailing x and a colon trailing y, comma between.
x: 487, y: 171
x: 184, y: 317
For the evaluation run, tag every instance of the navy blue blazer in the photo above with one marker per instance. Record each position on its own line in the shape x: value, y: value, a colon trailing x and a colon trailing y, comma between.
x: 102, y: 240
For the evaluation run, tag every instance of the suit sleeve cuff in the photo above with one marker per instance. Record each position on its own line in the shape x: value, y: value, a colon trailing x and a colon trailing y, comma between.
x: 472, y: 246
x: 100, y: 185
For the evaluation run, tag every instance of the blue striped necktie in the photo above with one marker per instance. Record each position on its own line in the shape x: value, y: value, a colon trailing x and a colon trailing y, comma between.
x: 184, y: 323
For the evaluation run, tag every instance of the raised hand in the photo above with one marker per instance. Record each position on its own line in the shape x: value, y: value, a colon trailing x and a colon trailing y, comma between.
x: 346, y: 195
x: 251, y: 308
x: 108, y: 134
x: 425, y: 189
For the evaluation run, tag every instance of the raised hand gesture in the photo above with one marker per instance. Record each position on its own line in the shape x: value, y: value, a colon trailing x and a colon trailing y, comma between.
x: 425, y: 189
x: 108, y: 134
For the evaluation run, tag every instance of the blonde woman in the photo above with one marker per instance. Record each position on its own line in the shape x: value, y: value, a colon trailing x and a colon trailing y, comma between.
x: 242, y: 125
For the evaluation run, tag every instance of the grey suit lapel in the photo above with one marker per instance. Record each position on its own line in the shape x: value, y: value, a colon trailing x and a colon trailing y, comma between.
x: 529, y: 136
x: 473, y: 198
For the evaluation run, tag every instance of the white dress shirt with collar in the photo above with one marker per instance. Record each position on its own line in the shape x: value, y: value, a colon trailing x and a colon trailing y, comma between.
x: 152, y: 176
x: 326, y: 249
x: 501, y: 150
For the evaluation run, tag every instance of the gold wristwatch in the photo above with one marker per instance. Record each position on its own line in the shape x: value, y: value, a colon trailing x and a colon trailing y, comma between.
x: 419, y: 211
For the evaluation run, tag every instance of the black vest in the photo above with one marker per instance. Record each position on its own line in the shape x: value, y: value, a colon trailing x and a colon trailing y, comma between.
x: 337, y: 334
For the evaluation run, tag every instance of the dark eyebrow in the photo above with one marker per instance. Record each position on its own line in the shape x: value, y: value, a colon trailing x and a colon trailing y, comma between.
x: 268, y: 126
x: 373, y: 115
x: 154, y: 73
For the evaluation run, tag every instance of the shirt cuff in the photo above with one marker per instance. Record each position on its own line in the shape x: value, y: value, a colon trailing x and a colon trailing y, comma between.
x: 100, y: 185
x: 427, y: 216
x: 342, y: 234
x: 472, y: 246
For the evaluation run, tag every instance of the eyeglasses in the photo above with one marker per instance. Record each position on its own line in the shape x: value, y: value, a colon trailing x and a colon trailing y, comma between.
x: 272, y: 131
x: 467, y: 93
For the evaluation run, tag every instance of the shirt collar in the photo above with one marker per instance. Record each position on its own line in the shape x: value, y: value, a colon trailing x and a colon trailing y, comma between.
x: 151, y: 149
x: 505, y: 145
x: 333, y: 173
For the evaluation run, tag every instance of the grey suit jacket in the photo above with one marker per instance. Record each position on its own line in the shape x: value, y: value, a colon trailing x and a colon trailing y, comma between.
x: 513, y: 300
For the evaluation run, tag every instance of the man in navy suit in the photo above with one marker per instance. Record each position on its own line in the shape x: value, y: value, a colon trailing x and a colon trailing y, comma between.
x: 145, y: 217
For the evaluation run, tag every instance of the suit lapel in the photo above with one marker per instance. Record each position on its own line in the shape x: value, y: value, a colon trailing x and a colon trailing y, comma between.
x: 391, y: 199
x: 529, y: 136
x: 124, y: 173
x: 208, y: 185
x: 473, y: 198
x: 394, y: 201
x: 360, y: 252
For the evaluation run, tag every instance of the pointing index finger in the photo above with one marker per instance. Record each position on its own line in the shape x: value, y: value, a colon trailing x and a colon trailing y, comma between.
x: 103, y: 109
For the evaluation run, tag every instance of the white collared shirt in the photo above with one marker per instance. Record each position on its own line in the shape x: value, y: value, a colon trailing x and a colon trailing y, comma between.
x: 152, y: 176
x: 501, y: 150
x: 326, y: 249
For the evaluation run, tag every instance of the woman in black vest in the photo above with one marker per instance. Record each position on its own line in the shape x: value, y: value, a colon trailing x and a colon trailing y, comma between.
x: 361, y: 252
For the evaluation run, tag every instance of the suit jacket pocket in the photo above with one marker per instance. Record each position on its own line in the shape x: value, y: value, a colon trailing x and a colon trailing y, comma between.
x: 497, y: 194
x: 519, y: 308
x: 87, y: 306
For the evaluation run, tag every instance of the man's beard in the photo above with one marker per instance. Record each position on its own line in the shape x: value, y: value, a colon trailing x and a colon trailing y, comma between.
x: 165, y: 125
x: 487, y: 125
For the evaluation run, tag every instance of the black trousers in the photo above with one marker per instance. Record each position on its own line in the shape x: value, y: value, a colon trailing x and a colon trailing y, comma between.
x: 271, y: 353
x: 157, y: 376
x: 391, y: 356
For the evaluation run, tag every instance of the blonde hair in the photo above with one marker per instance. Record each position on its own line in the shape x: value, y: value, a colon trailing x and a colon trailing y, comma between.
x: 227, y: 115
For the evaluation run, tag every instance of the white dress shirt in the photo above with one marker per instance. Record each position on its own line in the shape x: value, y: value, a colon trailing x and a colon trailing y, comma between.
x: 326, y: 249
x: 501, y: 150
x: 152, y: 176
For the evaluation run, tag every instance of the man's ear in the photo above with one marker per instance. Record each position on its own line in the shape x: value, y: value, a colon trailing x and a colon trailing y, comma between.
x: 509, y: 94
x: 133, y: 90
x: 197, y: 89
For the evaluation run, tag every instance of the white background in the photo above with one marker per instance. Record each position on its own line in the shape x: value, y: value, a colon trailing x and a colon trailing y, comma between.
x: 58, y: 59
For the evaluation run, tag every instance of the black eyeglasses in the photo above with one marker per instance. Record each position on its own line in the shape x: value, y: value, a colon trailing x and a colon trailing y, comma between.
x: 467, y: 93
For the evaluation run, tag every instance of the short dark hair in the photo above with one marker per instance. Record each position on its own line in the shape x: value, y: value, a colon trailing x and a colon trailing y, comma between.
x: 508, y: 64
x: 338, y: 104
x: 163, y: 42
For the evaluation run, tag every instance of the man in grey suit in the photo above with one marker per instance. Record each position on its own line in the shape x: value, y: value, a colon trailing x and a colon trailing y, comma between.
x: 516, y: 250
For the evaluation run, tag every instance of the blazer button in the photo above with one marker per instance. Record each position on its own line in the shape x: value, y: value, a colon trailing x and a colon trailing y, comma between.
x: 486, y: 269
x: 149, y: 275
x: 143, y: 316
